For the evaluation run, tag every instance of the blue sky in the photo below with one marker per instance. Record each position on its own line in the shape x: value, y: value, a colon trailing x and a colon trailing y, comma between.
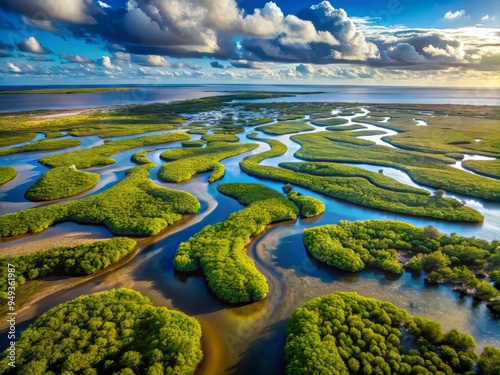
x: 390, y: 42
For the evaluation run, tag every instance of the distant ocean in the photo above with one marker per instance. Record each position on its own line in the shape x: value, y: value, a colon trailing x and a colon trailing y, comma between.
x: 167, y: 93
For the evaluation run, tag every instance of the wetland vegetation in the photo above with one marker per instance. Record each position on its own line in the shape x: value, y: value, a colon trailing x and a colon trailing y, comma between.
x: 7, y: 174
x: 78, y: 260
x: 453, y: 259
x: 219, y: 249
x: 135, y: 206
x: 345, y: 333
x: 61, y: 182
x: 118, y: 331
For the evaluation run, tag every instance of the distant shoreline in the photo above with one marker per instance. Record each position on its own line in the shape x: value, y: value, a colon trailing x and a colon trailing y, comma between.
x: 68, y: 90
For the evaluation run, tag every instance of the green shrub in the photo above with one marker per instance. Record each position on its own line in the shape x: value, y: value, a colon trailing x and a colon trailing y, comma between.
x: 61, y: 182
x: 359, y: 190
x: 308, y: 206
x: 99, y: 155
x: 219, y: 249
x: 135, y: 206
x: 185, y: 162
x: 7, y: 174
x: 109, y: 332
x: 78, y: 260
x: 285, y: 128
x: 43, y: 145
x: 343, y: 333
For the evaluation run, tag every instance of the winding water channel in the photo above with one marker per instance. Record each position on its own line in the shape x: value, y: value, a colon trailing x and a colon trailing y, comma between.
x: 250, y: 339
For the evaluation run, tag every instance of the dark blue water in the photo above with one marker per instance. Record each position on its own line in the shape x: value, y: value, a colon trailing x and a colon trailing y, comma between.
x: 340, y: 93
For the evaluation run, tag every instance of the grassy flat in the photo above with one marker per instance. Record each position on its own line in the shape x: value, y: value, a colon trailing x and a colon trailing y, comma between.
x: 121, y: 208
x: 43, y: 145
x: 489, y: 168
x: 99, y: 155
x: 345, y: 128
x: 360, y: 190
x: 219, y: 249
x: 185, y: 162
x: 7, y: 174
x: 330, y: 121
x: 116, y: 332
x: 285, y: 128
x: 61, y: 182
x: 429, y: 169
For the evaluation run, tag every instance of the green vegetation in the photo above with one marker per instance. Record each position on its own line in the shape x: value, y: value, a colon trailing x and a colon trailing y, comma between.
x: 61, y: 182
x: 359, y: 190
x: 352, y: 246
x: 260, y: 121
x: 345, y: 333
x: 43, y: 145
x: 220, y: 138
x: 219, y: 249
x: 79, y: 260
x: 341, y: 170
x: 308, y: 206
x: 285, y: 128
x: 140, y: 158
x: 54, y: 134
x: 7, y: 174
x: 198, y: 131
x: 289, y: 117
x: 198, y: 143
x: 112, y: 332
x: 489, y: 362
x: 345, y: 128
x: 185, y: 162
x: 68, y: 90
x: 427, y: 169
x: 489, y: 168
x: 330, y: 121
x: 99, y: 155
x: 135, y: 206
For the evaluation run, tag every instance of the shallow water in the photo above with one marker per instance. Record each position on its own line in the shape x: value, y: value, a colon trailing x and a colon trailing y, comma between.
x: 250, y: 339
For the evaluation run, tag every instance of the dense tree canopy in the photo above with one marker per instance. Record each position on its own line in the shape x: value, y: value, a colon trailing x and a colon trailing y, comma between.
x: 113, y: 332
x: 61, y: 182
x: 352, y: 246
x: 78, y: 260
x: 359, y: 190
x: 219, y: 249
x: 134, y: 206
x: 345, y: 333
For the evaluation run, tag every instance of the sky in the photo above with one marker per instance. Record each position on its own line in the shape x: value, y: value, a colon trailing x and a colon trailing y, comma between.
x: 378, y: 42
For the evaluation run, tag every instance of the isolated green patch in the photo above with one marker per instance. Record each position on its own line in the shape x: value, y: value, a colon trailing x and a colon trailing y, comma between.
x: 489, y: 168
x: 80, y: 260
x: 61, y: 182
x: 285, y: 128
x: 135, y: 206
x: 308, y: 206
x: 344, y: 333
x: 199, y: 143
x: 219, y: 249
x: 330, y: 121
x: 43, y: 145
x: 7, y: 174
x: 113, y: 332
x: 185, y: 162
x: 99, y: 155
x: 220, y: 138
